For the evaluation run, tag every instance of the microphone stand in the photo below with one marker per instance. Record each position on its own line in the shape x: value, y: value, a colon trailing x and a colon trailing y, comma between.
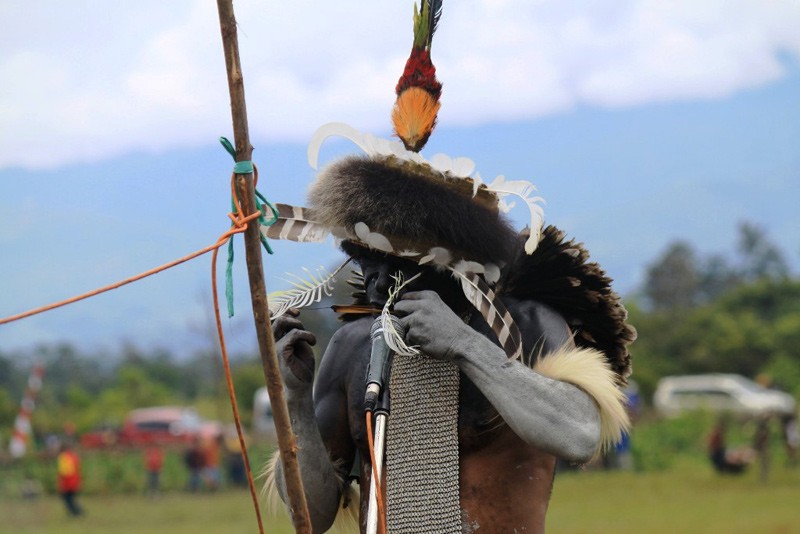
x: 379, y: 449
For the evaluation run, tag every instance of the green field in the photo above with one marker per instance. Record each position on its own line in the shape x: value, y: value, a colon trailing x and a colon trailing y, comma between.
x: 685, y: 499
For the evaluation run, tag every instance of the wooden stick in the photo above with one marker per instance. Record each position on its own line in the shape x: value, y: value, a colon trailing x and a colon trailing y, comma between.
x: 266, y: 343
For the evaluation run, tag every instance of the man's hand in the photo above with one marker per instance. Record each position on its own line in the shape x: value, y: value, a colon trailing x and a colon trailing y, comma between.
x: 295, y: 356
x: 431, y: 324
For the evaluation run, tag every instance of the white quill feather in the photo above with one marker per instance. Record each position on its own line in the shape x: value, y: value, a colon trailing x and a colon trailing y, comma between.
x: 525, y: 191
x: 394, y: 339
x: 305, y: 291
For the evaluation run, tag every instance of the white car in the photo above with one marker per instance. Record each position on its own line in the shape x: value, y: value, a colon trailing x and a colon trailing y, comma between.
x: 263, y: 425
x: 719, y: 393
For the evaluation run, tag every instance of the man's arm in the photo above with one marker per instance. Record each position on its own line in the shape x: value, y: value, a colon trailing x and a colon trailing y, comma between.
x: 553, y: 415
x: 321, y: 481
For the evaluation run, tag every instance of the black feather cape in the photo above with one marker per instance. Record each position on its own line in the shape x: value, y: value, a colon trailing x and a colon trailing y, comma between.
x: 560, y: 275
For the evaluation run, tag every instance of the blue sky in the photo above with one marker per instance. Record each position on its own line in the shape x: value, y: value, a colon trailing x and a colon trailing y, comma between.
x: 640, y: 123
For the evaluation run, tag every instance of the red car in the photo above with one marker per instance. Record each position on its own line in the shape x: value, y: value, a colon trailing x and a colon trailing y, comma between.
x: 163, y: 425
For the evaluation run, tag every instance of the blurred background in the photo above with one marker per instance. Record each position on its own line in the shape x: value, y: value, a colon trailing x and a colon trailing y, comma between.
x: 663, y: 136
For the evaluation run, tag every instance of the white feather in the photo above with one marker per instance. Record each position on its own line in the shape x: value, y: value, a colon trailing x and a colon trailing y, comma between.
x: 305, y: 291
x: 373, y: 240
x: 370, y: 144
x: 492, y: 274
x: 525, y: 191
x: 465, y: 266
x: 462, y: 167
x: 438, y: 255
x: 477, y: 182
x: 394, y: 339
x: 362, y: 231
x: 379, y: 242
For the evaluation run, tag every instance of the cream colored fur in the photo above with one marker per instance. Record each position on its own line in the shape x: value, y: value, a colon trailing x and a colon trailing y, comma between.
x: 347, y: 517
x: 588, y: 370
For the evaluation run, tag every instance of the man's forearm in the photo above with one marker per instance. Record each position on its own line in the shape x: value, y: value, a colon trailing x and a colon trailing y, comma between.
x: 320, y: 480
x: 555, y: 416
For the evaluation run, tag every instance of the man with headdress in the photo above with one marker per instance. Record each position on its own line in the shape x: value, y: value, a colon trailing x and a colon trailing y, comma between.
x: 510, y: 348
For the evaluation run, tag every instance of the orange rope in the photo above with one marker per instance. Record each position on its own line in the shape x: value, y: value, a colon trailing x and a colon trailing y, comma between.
x: 232, y: 392
x: 221, y: 241
x: 378, y: 484
x: 239, y: 225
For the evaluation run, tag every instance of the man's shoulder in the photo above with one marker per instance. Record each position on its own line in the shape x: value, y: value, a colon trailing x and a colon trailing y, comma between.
x: 541, y: 326
x: 530, y: 311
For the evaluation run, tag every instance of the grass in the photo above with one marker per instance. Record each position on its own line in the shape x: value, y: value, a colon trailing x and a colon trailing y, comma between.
x: 175, y: 513
x: 689, y: 497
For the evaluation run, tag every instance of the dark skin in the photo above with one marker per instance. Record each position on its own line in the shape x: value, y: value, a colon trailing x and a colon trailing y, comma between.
x: 505, y: 480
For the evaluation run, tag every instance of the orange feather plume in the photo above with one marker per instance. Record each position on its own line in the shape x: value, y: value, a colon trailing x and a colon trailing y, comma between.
x: 414, y: 117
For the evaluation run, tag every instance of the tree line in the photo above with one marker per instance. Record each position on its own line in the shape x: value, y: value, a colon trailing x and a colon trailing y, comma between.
x: 98, y: 390
x: 736, y: 313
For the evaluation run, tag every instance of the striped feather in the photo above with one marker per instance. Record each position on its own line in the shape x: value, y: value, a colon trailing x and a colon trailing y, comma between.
x: 497, y: 316
x: 305, y: 291
x: 295, y: 224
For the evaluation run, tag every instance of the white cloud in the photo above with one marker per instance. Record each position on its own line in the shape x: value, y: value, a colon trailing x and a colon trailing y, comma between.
x: 97, y: 79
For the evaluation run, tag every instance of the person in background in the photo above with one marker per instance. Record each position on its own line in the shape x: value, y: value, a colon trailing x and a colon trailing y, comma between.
x: 621, y: 456
x: 69, y: 478
x: 724, y: 460
x: 761, y: 446
x: 211, y: 452
x: 234, y: 462
x: 194, y: 461
x: 791, y: 438
x: 153, y: 461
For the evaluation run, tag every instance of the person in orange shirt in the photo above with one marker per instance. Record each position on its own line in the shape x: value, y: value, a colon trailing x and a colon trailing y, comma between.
x: 211, y: 453
x: 69, y: 478
x: 154, y: 461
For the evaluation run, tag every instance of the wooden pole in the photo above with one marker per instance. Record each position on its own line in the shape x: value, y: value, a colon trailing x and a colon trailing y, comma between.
x: 266, y: 343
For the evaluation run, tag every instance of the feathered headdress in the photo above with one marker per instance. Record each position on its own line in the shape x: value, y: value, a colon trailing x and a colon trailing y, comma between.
x: 418, y: 90
x: 435, y: 212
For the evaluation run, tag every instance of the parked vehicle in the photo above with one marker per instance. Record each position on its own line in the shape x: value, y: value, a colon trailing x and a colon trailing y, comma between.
x: 162, y: 425
x: 263, y: 425
x: 103, y: 435
x: 719, y: 393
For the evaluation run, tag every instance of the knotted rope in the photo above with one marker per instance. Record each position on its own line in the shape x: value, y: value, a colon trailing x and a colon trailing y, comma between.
x: 239, y: 224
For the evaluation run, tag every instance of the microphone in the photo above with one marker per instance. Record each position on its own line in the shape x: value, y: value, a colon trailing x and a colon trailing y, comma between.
x: 380, y: 362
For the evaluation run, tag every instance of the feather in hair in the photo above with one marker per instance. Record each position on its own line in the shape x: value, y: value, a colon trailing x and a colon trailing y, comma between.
x: 305, y: 291
x: 394, y: 338
x: 434, y: 14
x: 426, y: 20
x: 497, y: 316
x: 525, y: 191
x: 295, y: 224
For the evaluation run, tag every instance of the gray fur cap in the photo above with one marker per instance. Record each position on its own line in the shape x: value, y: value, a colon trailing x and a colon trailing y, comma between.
x: 414, y: 206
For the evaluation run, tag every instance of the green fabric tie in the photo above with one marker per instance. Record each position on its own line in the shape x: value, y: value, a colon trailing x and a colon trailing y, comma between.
x: 239, y: 167
x: 245, y: 167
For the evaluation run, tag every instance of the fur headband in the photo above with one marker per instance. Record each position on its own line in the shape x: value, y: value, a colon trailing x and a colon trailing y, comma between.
x: 413, y: 206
